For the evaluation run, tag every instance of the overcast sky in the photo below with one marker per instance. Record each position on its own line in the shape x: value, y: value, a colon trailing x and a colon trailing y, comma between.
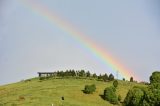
x: 127, y: 29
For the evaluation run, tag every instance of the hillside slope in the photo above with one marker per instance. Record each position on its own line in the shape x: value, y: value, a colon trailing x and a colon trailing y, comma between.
x: 45, y: 93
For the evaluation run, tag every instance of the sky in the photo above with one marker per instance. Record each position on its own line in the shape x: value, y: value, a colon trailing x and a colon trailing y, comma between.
x: 29, y: 43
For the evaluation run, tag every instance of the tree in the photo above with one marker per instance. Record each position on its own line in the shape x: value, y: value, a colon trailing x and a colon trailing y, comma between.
x: 124, y: 79
x: 88, y: 74
x: 105, y: 77
x: 100, y: 77
x: 155, y: 77
x: 89, y: 89
x: 110, y: 95
x: 82, y: 73
x: 94, y: 75
x: 111, y: 77
x: 115, y: 83
x: 73, y: 73
x: 131, y: 79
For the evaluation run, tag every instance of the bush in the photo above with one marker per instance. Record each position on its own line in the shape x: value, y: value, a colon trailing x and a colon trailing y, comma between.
x: 89, y: 89
x: 115, y: 83
x: 42, y: 78
x: 110, y: 95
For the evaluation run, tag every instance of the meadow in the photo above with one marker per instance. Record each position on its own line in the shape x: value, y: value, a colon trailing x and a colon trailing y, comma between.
x: 35, y: 92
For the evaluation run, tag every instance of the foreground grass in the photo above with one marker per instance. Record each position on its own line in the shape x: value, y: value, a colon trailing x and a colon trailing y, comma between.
x: 47, y: 92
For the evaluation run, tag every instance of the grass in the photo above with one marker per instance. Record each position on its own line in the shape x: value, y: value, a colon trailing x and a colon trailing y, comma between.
x: 45, y: 93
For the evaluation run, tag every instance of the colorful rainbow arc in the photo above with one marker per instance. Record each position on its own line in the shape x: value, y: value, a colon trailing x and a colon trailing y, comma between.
x: 104, y: 56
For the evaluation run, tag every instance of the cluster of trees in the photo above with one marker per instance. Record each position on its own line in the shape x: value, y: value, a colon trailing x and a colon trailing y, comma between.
x: 75, y: 73
x: 105, y: 77
x: 145, y: 96
x: 66, y: 73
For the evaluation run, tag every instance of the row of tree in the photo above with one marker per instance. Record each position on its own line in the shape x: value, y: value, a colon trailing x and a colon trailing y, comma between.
x: 82, y: 73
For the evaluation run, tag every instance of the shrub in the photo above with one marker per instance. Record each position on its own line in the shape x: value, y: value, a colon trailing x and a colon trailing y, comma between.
x: 42, y: 78
x: 110, y: 95
x: 115, y: 83
x: 89, y: 89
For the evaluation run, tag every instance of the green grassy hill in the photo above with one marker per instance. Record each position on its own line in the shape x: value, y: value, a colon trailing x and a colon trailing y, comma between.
x: 48, y: 92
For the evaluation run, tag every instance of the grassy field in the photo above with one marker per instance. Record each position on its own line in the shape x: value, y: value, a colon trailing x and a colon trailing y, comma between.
x: 48, y: 92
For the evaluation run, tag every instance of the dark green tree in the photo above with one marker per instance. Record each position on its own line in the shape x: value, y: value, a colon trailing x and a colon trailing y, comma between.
x: 94, y: 75
x: 131, y: 79
x: 111, y: 77
x: 100, y: 77
x: 82, y: 73
x: 105, y: 77
x: 73, y: 73
x: 88, y: 74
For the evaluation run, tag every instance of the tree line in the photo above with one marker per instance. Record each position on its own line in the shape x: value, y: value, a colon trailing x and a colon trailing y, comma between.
x: 83, y: 74
x: 80, y: 74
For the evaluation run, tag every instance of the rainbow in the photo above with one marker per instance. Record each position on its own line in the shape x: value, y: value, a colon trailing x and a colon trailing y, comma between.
x: 86, y: 42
